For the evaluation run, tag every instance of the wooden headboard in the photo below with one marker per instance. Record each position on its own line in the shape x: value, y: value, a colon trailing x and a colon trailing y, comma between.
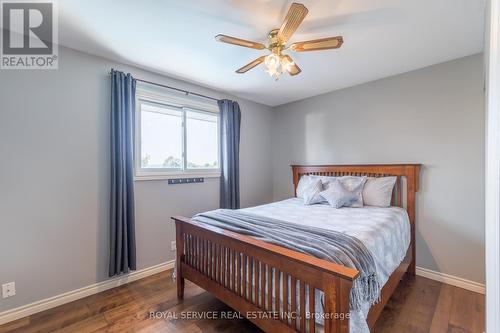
x: 407, y: 174
x: 408, y: 177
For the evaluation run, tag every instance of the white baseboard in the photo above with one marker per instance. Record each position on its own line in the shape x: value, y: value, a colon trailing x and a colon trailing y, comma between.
x: 451, y: 280
x: 45, y: 304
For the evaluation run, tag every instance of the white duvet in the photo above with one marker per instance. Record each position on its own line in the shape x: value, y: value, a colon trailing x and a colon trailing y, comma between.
x: 384, y: 231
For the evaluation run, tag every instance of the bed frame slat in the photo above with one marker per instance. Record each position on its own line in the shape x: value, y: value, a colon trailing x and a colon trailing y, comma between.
x: 284, y: 298
x: 312, y: 322
x: 255, y: 279
x: 263, y: 294
x: 277, y: 291
x: 302, y: 306
x: 293, y: 301
x: 269, y: 279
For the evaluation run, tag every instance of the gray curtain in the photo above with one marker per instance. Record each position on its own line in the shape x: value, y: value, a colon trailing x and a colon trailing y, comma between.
x: 122, y: 225
x: 230, y: 120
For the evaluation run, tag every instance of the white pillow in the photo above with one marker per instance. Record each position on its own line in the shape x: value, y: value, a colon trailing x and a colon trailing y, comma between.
x: 378, y: 191
x: 350, y: 183
x: 303, y: 183
x: 353, y: 183
x: 311, y: 191
x: 339, y: 196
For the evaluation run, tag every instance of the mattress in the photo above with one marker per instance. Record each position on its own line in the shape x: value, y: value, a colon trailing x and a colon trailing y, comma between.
x: 384, y: 231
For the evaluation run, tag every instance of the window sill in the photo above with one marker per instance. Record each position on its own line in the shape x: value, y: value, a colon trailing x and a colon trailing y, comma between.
x: 144, y: 177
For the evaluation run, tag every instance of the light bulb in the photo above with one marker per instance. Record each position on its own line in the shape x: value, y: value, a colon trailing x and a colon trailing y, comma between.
x: 273, y: 66
x: 271, y: 60
x: 286, y: 64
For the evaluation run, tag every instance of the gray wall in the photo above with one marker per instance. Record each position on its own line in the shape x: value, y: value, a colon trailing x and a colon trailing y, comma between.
x: 433, y: 116
x: 54, y: 178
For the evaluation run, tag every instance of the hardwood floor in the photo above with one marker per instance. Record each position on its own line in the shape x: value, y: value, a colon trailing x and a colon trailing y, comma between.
x: 418, y: 305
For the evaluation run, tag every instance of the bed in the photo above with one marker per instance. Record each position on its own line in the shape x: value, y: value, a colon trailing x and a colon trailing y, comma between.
x: 248, y: 274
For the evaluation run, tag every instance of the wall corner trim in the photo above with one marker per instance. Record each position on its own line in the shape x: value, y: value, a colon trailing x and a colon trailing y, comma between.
x: 451, y: 280
x: 70, y: 296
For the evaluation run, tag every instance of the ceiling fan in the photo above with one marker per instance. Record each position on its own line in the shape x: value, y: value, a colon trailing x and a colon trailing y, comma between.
x: 277, y: 62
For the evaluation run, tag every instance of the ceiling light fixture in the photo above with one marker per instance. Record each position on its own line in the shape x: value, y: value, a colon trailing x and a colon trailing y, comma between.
x: 277, y: 63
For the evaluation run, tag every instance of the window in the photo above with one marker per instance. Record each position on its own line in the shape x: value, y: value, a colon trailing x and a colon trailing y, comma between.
x: 202, y: 140
x: 175, y: 140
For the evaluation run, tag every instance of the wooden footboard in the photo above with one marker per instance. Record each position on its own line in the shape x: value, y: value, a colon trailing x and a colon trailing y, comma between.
x: 248, y: 274
x: 235, y: 268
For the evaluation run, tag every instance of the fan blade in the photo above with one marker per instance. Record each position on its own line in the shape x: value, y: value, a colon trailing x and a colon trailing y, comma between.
x: 293, y: 69
x: 239, y: 42
x: 318, y: 44
x: 293, y: 19
x: 251, y: 65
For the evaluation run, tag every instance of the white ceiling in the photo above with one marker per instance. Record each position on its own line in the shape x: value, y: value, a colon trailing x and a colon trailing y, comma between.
x: 381, y: 38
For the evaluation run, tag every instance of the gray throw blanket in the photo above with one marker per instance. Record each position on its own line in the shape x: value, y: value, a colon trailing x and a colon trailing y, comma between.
x: 334, y: 246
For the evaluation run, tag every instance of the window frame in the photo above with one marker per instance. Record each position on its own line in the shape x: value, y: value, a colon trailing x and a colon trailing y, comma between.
x: 182, y: 103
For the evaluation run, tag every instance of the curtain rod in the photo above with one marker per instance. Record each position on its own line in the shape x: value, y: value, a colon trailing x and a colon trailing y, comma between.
x: 176, y: 89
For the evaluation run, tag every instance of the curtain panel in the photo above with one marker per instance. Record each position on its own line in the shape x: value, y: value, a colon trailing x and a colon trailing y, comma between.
x: 122, y: 217
x: 230, y: 121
